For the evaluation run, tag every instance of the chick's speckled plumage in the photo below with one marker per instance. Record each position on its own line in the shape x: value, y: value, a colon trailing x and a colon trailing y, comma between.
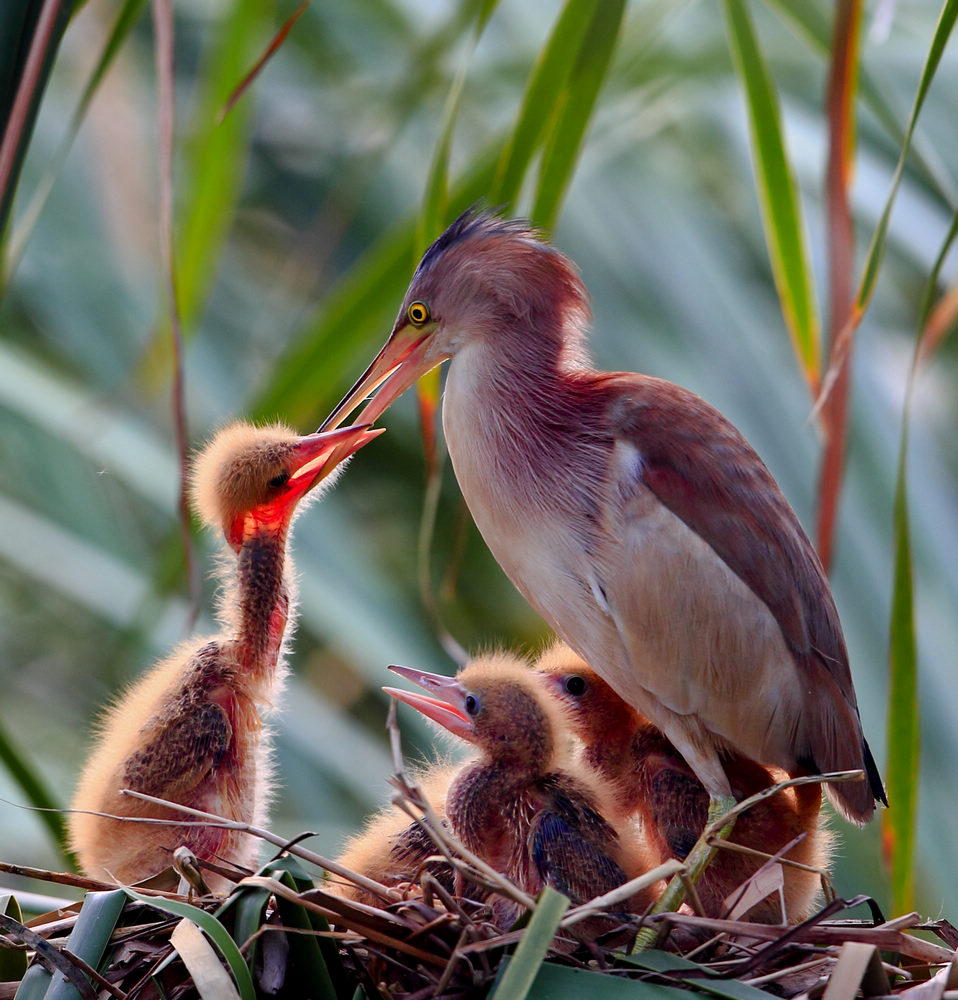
x: 190, y: 730
x: 653, y: 784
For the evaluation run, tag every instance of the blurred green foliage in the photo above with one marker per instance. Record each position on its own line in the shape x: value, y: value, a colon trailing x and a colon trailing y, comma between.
x: 296, y: 233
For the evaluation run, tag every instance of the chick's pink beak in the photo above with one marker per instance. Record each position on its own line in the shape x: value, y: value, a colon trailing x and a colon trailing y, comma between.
x: 318, y: 454
x: 394, y: 369
x: 448, y: 709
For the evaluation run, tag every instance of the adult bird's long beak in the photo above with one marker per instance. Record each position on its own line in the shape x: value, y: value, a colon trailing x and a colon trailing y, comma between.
x: 394, y: 369
x: 448, y: 709
x: 318, y: 454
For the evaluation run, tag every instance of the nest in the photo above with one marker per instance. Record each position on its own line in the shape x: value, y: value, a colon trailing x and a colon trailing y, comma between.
x: 292, y: 930
x: 287, y: 931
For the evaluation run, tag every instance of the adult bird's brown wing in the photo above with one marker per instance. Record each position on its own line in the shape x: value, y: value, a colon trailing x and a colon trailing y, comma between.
x: 699, y: 467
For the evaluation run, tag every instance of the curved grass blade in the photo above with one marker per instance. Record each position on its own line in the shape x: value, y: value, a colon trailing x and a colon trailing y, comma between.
x: 554, y: 981
x: 946, y: 21
x: 248, y: 904
x: 524, y: 966
x: 810, y: 23
x: 543, y: 93
x: 574, y: 112
x: 210, y: 926
x: 36, y: 791
x: 900, y: 820
x: 698, y: 976
x: 778, y: 195
x: 310, y: 955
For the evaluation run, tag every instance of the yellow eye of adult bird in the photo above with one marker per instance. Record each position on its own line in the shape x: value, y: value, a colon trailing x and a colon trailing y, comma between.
x: 418, y: 313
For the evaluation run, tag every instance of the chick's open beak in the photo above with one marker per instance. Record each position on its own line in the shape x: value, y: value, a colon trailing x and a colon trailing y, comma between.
x: 316, y: 455
x: 448, y: 708
x: 395, y: 368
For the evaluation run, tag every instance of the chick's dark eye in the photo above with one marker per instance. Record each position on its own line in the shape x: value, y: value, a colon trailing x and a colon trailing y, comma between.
x: 575, y: 685
x: 417, y: 313
x: 277, y: 482
x: 472, y: 704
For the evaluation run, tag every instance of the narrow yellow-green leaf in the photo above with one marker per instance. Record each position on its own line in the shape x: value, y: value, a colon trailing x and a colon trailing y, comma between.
x: 543, y: 93
x: 433, y: 215
x: 525, y: 964
x: 573, y: 114
x: 217, y: 155
x: 946, y: 21
x: 778, y: 194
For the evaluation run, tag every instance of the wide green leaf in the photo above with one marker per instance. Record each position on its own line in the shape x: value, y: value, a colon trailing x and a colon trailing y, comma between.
x: 543, y: 95
x: 574, y: 111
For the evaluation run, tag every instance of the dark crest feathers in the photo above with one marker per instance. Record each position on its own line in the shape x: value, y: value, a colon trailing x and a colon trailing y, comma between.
x: 473, y: 222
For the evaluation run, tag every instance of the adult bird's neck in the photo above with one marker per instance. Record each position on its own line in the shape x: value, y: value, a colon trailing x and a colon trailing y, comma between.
x: 509, y: 409
x: 262, y: 602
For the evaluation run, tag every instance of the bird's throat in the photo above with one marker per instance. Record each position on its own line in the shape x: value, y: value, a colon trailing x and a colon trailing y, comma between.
x: 263, y: 602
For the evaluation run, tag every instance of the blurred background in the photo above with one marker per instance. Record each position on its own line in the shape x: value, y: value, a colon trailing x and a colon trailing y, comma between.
x: 296, y: 235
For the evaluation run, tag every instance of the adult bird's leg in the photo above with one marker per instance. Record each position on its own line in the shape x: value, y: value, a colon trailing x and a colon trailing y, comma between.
x: 717, y: 827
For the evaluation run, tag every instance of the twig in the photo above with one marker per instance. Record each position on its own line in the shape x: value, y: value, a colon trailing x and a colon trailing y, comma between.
x: 271, y: 838
x: 622, y: 892
x: 449, y: 846
x: 833, y: 777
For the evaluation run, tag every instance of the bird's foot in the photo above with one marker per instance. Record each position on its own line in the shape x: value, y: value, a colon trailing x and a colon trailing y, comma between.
x: 695, y: 864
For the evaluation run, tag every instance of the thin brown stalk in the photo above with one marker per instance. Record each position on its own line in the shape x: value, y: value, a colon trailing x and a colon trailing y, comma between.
x: 163, y: 31
x: 271, y: 50
x: 32, y: 72
x: 841, y: 262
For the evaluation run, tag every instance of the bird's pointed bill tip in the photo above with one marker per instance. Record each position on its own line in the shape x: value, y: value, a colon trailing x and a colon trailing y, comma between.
x: 448, y: 710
